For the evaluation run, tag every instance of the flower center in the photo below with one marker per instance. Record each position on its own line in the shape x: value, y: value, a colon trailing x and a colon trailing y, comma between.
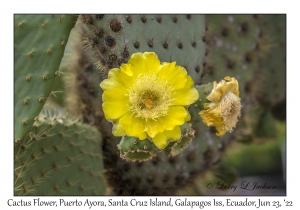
x: 149, y: 104
x: 148, y: 100
x: 150, y: 97
x: 230, y: 107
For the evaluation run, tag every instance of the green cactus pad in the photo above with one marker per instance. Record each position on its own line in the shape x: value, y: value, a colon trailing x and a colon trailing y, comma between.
x: 57, y: 95
x: 62, y: 86
x: 112, y: 39
x: 194, y: 109
x: 235, y: 44
x: 59, y: 157
x: 134, y: 149
x: 273, y: 88
x: 203, y: 90
x: 39, y: 43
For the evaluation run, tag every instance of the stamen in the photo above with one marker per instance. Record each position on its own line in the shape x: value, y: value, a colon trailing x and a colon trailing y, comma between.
x: 149, y: 104
x: 150, y: 97
x: 230, y: 108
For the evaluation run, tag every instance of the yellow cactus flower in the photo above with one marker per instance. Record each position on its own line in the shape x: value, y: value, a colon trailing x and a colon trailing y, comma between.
x: 225, y: 107
x: 146, y: 98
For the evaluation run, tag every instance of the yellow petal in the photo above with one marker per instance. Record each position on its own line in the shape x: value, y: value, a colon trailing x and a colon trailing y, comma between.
x: 126, y: 69
x: 185, y: 98
x: 162, y: 139
x: 113, y: 110
x: 114, y: 94
x: 152, y: 62
x: 220, y: 129
x: 212, y: 117
x: 153, y: 127
x: 112, y: 81
x: 117, y: 130
x: 187, y: 95
x: 176, y: 116
x: 176, y: 75
x: 133, y: 126
x: 217, y: 92
x: 114, y: 105
x: 232, y: 85
x: 188, y: 117
x: 144, y: 63
x: 126, y: 77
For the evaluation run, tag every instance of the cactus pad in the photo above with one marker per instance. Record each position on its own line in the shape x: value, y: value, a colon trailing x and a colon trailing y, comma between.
x: 136, y: 150
x: 112, y: 39
x: 59, y: 157
x: 39, y: 43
